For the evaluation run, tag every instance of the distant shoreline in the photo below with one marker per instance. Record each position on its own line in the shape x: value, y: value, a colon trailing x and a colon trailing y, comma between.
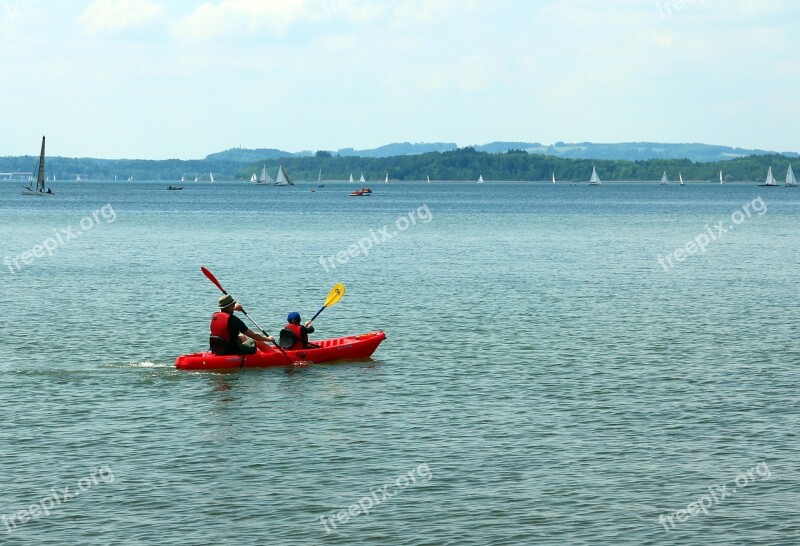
x: 463, y: 164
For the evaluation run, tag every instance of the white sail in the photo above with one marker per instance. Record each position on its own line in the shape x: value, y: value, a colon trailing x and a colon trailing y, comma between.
x: 720, y: 178
x: 680, y: 177
x: 770, y: 179
x: 594, y: 180
x: 265, y: 178
x: 554, y: 178
x: 78, y: 178
x: 791, y: 181
x: 319, y: 177
x: 429, y: 179
x: 351, y: 178
x: 254, y: 178
x: 664, y: 179
x: 480, y: 179
x: 212, y: 177
x: 283, y: 179
x: 183, y: 179
x: 361, y: 179
x: 387, y: 179
x: 195, y: 178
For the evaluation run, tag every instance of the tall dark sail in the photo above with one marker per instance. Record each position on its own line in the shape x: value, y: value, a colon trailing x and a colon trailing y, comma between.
x: 40, y: 175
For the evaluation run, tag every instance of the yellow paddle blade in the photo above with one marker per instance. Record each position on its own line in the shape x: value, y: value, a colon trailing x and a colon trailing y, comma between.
x: 335, y: 294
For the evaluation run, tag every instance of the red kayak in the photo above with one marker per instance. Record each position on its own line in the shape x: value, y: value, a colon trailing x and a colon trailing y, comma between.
x: 340, y: 348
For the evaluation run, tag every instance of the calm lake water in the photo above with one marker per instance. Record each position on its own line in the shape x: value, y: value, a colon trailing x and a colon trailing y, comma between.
x: 546, y: 379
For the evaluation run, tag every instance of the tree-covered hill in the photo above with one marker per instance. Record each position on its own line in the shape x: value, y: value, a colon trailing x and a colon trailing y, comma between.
x: 460, y: 164
x: 468, y: 164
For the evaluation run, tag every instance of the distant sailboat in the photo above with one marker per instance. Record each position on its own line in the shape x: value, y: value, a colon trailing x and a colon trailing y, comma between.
x: 791, y: 181
x: 212, y: 177
x: 319, y: 179
x: 130, y: 179
x: 720, y: 178
x: 680, y: 177
x: 183, y: 178
x: 770, y: 181
x: 283, y: 179
x: 40, y: 178
x: 554, y: 178
x: 351, y: 178
x: 78, y: 178
x: 429, y: 179
x: 386, y: 181
x: 480, y: 179
x: 195, y: 178
x: 254, y: 178
x: 361, y: 179
x: 265, y: 178
x: 594, y: 180
x: 664, y: 179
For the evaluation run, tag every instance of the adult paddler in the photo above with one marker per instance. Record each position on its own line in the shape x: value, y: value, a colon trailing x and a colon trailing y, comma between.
x: 229, y: 335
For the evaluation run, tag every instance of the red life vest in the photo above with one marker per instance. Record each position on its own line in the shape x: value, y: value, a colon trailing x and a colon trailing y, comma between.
x: 219, y: 326
x: 302, y: 339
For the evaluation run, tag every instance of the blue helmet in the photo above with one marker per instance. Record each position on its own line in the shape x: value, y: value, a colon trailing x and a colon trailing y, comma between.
x: 293, y: 316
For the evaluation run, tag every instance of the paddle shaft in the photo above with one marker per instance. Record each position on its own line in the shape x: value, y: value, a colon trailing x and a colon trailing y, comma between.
x: 318, y: 312
x: 214, y: 280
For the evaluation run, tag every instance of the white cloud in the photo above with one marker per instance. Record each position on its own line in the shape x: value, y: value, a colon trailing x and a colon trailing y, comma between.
x: 336, y: 43
x: 232, y: 16
x: 427, y: 11
x: 115, y: 16
x: 229, y: 17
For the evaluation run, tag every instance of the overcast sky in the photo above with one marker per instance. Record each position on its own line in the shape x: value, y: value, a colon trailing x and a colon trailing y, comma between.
x: 180, y: 79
